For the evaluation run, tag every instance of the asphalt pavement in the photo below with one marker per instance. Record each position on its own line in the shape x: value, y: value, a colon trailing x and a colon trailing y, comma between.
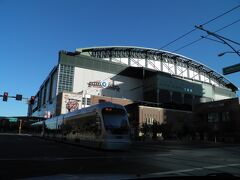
x: 24, y: 156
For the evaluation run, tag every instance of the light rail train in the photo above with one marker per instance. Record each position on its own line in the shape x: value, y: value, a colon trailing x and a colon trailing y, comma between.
x: 103, y: 126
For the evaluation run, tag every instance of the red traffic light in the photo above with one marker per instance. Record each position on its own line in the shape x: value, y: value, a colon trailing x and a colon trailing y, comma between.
x: 5, y: 96
x: 32, y: 99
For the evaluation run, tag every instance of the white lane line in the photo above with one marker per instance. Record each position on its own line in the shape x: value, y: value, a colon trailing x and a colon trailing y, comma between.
x: 195, y: 169
x: 79, y: 158
x: 14, y: 134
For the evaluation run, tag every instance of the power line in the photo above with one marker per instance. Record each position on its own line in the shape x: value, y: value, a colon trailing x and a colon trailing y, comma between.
x: 189, y: 44
x: 221, y: 15
x: 223, y: 39
x: 227, y: 25
x: 224, y: 28
x: 213, y: 39
x: 193, y: 42
x: 189, y: 32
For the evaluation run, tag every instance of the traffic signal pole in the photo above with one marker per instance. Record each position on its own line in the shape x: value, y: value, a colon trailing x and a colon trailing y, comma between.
x: 18, y: 97
x: 20, y: 127
x: 230, y: 69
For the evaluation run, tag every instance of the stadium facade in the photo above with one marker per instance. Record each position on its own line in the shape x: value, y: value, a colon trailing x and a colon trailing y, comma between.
x: 125, y: 75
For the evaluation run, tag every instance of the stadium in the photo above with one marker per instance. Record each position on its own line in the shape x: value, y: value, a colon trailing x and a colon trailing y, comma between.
x: 158, y: 81
x: 131, y: 73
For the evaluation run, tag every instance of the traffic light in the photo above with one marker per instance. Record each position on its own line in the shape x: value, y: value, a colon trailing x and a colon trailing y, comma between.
x: 18, y: 97
x: 5, y: 96
x: 32, y: 100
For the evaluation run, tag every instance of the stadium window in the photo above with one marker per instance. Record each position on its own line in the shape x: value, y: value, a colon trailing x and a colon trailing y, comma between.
x: 225, y: 116
x: 83, y: 100
x: 88, y: 101
x: 213, y: 117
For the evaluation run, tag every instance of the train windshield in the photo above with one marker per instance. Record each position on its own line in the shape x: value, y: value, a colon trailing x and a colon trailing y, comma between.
x: 115, y: 120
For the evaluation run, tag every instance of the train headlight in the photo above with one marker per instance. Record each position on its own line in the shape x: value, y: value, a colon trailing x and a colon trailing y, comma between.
x: 108, y: 109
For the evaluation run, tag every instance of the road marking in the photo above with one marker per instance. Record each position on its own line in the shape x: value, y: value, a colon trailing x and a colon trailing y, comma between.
x: 14, y: 134
x: 79, y: 158
x: 195, y: 169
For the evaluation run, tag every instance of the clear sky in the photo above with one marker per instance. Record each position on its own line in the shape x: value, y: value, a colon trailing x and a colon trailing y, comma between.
x: 33, y: 31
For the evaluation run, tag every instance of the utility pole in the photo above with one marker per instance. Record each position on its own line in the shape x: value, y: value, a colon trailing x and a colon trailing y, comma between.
x: 230, y: 69
x: 223, y: 39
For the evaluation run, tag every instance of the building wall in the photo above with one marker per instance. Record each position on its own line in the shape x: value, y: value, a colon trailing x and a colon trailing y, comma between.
x: 89, y: 81
x: 164, y: 88
x: 99, y: 99
x: 161, y: 115
x: 166, y: 123
x: 218, y: 120
x: 46, y: 98
x: 48, y: 108
x: 84, y: 74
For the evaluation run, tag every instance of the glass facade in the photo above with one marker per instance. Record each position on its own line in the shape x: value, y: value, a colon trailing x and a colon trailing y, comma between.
x: 66, y: 74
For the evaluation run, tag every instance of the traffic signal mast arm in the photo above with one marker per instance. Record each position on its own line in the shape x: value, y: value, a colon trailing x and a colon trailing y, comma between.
x: 18, y: 97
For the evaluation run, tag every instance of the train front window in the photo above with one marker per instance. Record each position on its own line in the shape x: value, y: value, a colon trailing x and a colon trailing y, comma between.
x: 115, y: 120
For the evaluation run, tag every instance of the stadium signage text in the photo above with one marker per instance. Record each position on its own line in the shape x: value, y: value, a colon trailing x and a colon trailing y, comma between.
x: 103, y: 84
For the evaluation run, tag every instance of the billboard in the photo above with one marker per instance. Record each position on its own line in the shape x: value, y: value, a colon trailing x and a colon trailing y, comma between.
x: 71, y: 102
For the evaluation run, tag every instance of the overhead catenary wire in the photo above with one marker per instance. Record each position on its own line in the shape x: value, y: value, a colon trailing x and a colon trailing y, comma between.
x: 202, y: 37
x: 213, y: 39
x: 209, y: 21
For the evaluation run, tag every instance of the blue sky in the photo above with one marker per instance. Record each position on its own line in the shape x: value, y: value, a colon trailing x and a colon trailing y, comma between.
x: 33, y: 31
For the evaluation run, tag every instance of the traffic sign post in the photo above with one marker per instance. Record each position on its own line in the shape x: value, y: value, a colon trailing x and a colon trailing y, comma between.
x: 231, y: 69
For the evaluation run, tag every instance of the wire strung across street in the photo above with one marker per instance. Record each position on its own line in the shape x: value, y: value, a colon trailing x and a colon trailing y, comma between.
x: 202, y: 37
x: 189, y: 32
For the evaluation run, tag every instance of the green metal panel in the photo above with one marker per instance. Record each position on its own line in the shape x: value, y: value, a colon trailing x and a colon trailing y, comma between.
x: 179, y: 85
x: 91, y: 63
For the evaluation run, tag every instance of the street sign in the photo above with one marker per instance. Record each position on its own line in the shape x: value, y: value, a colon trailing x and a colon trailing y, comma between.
x: 12, y: 119
x: 231, y: 69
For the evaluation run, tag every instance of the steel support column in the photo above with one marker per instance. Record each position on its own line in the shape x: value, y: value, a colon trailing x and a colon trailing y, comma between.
x: 171, y: 94
x: 129, y: 59
x: 188, y: 74
x: 175, y: 67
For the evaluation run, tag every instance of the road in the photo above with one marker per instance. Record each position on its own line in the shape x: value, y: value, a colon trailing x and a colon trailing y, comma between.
x: 24, y: 156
